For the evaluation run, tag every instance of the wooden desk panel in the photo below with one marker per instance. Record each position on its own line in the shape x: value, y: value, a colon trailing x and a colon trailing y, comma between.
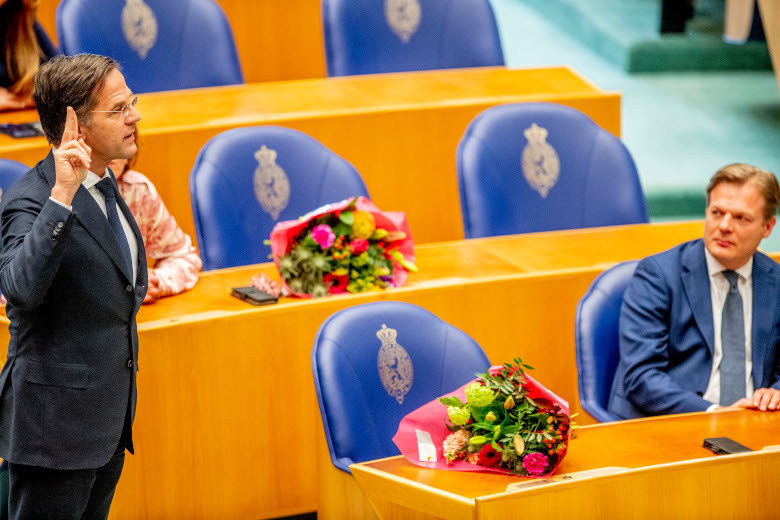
x: 399, y: 130
x: 216, y: 373
x: 275, y: 40
x: 671, y: 476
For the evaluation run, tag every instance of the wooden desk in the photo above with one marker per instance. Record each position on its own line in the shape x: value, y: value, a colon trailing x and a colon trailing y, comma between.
x: 670, y: 475
x: 218, y: 377
x: 399, y: 130
x: 275, y: 40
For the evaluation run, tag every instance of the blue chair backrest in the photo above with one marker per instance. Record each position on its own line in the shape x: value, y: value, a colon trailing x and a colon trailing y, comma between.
x: 246, y: 180
x: 370, y: 36
x: 10, y: 172
x: 597, y: 338
x: 160, y: 44
x: 530, y: 167
x: 375, y: 363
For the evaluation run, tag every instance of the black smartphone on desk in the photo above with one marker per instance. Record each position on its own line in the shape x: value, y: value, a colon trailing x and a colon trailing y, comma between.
x: 254, y: 295
x: 724, y: 446
x: 20, y: 130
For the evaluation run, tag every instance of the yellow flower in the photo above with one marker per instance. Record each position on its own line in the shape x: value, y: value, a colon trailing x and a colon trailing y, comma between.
x: 363, y: 225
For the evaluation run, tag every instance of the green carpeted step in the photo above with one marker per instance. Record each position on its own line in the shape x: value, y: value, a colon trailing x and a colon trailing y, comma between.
x: 626, y: 33
x: 676, y: 203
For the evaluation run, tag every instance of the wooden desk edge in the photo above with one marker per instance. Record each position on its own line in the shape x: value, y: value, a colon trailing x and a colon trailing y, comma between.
x: 458, y: 507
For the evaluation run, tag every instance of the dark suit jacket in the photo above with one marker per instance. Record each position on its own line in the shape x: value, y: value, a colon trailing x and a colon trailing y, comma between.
x: 667, y: 338
x: 67, y: 389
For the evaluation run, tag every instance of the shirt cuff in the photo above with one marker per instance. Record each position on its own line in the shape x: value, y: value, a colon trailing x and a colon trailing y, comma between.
x: 69, y: 208
x: 712, y: 407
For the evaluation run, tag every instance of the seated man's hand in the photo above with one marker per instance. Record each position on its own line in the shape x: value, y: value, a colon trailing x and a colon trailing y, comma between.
x: 153, y: 293
x: 763, y: 399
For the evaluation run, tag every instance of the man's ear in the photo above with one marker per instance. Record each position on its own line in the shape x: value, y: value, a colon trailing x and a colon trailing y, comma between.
x: 770, y: 224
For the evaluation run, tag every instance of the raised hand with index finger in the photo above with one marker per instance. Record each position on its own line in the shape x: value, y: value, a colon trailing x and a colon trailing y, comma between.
x: 72, y: 160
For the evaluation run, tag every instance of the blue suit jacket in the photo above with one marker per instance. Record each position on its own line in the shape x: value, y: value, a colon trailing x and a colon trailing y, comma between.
x: 67, y: 389
x: 667, y: 338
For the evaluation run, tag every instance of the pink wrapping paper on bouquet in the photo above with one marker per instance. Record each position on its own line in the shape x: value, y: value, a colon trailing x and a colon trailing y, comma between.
x: 431, y: 418
x: 284, y: 233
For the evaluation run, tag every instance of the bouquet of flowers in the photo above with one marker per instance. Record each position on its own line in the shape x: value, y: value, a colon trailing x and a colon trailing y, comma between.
x: 502, y: 422
x: 348, y: 246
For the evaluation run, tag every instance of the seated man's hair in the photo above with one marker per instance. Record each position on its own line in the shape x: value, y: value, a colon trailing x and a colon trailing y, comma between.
x: 740, y: 173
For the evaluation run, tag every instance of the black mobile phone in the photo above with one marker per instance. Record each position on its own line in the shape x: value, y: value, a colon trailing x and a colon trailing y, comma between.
x: 253, y: 295
x: 21, y: 130
x: 724, y: 446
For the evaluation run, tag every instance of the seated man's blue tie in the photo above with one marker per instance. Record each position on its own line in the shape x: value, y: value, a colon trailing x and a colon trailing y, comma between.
x: 106, y: 187
x: 732, y: 337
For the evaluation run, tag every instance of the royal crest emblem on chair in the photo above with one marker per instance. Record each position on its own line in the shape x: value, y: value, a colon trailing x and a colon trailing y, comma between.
x: 541, y: 165
x: 272, y: 186
x: 139, y: 25
x: 403, y: 17
x: 394, y: 365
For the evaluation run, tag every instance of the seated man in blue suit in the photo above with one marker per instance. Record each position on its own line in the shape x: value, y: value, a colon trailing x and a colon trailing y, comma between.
x: 700, y: 323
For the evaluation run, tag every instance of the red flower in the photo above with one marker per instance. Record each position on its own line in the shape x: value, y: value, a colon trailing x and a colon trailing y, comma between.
x: 358, y: 245
x: 338, y: 283
x: 488, y: 456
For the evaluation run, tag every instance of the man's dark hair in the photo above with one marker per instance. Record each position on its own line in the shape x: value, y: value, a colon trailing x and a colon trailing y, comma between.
x: 67, y: 81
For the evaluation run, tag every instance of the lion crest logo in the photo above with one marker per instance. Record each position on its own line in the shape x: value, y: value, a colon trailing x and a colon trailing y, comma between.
x: 541, y: 165
x: 139, y: 26
x: 272, y: 187
x: 394, y: 365
x: 403, y: 17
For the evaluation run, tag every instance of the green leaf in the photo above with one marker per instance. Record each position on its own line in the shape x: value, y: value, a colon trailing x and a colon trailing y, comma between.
x: 451, y: 401
x: 347, y: 217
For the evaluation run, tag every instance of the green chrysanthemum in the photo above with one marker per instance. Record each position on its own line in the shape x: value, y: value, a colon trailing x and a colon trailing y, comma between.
x: 287, y: 267
x: 319, y: 263
x: 459, y: 415
x: 478, y: 395
x: 319, y: 291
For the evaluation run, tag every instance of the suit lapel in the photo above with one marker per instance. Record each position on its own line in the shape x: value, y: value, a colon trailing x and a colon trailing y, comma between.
x: 95, y: 222
x: 764, y: 302
x: 696, y: 283
x: 87, y: 211
x: 123, y: 207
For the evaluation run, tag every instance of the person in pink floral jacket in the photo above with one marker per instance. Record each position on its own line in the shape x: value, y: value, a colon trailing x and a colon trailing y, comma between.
x: 176, y: 262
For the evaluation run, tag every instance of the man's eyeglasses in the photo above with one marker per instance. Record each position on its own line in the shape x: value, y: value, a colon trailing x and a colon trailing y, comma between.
x: 125, y: 110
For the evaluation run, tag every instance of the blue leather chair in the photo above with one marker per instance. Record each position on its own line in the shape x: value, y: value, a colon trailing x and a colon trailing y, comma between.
x: 246, y: 180
x: 10, y: 172
x: 160, y: 44
x: 362, y: 377
x: 530, y: 167
x: 597, y: 338
x: 370, y: 36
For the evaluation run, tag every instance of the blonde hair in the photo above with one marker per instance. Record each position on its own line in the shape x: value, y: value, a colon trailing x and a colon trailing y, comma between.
x: 22, y: 52
x: 739, y: 174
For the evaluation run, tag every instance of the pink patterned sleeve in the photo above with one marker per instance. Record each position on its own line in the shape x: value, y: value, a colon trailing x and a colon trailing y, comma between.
x: 176, y: 261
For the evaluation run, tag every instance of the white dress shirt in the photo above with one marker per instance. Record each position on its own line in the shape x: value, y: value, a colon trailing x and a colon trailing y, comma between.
x: 89, y: 184
x: 719, y: 288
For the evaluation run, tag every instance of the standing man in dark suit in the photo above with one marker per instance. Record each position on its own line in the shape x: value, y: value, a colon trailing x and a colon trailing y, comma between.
x: 700, y: 323
x: 73, y: 269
